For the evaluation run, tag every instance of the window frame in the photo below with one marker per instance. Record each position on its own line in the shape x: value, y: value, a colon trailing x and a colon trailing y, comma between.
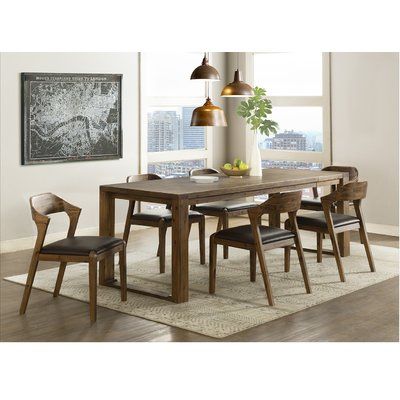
x: 160, y: 101
x: 323, y: 101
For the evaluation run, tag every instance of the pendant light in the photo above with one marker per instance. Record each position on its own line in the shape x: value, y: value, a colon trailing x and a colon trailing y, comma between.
x: 208, y: 114
x: 237, y: 88
x: 205, y: 71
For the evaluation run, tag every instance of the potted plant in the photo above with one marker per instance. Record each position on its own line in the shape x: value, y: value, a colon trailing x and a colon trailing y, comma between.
x: 255, y: 110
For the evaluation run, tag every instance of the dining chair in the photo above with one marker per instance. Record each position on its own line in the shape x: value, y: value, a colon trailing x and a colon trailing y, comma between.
x: 90, y: 249
x: 332, y: 223
x: 221, y: 209
x: 258, y: 238
x: 161, y: 219
x: 315, y: 204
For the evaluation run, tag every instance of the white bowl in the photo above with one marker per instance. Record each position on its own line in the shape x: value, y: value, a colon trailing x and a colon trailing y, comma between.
x: 204, y: 178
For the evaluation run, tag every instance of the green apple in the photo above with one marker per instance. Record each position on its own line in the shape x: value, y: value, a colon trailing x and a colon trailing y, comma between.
x: 243, y: 166
x: 228, y: 166
x: 236, y: 162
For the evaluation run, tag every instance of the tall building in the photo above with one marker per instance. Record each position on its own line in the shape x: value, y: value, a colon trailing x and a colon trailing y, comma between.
x: 164, y: 129
x: 266, y: 143
x: 289, y: 140
x: 193, y: 137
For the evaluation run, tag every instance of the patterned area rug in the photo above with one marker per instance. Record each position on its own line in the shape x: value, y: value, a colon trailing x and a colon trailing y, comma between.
x: 238, y: 303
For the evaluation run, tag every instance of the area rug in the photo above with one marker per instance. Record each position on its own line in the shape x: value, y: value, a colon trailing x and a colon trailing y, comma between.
x: 238, y: 303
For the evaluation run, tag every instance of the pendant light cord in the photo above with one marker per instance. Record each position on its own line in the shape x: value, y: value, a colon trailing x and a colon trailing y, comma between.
x: 207, y: 88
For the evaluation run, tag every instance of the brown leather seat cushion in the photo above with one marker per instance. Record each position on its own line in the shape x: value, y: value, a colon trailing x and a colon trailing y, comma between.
x: 227, y: 205
x: 318, y: 220
x: 311, y: 203
x: 244, y: 234
x: 81, y: 245
x: 156, y: 215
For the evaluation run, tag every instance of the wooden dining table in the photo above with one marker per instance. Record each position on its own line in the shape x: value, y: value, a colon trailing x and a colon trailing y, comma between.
x: 181, y: 193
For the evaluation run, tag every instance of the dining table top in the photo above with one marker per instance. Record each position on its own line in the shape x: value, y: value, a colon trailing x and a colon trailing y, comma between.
x: 271, y: 180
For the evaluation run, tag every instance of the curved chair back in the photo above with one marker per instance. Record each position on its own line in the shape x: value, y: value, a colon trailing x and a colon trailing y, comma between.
x: 352, y: 171
x: 278, y: 203
x: 203, y: 171
x: 142, y: 177
x: 352, y: 191
x: 48, y: 203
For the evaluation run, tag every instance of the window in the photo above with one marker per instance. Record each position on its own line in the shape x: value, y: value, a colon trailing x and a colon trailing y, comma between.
x: 174, y: 169
x: 169, y: 145
x: 298, y: 86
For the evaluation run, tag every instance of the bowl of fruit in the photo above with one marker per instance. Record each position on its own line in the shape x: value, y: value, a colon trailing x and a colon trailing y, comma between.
x: 238, y: 168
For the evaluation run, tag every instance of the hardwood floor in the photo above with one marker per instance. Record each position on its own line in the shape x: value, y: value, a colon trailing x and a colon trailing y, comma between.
x: 370, y: 314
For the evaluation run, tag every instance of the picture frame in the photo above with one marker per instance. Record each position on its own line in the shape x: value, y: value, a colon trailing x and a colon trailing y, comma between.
x: 69, y: 117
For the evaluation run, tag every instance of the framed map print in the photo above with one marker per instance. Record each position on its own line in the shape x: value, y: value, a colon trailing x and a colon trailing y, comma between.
x: 70, y: 117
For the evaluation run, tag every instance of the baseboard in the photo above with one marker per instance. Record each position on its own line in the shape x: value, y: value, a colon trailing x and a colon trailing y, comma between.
x: 390, y: 230
x: 10, y: 246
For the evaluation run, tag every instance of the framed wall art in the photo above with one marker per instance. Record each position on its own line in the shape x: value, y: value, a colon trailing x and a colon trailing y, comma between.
x: 70, y: 117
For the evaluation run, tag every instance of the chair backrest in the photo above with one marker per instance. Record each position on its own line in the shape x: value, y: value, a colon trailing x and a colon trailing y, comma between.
x: 48, y: 203
x: 352, y: 171
x: 203, y: 171
x: 278, y: 203
x: 142, y: 177
x: 352, y: 191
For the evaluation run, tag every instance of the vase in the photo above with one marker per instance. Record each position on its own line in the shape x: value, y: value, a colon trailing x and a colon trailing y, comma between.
x: 255, y: 157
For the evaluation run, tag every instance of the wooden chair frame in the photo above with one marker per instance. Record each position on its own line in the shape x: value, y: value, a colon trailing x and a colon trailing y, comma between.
x: 352, y: 191
x: 278, y: 203
x: 41, y: 206
x: 161, y: 224
x: 353, y: 177
x: 223, y: 216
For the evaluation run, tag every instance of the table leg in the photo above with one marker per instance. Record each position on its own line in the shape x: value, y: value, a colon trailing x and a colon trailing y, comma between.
x: 107, y: 228
x: 274, y: 218
x: 344, y: 238
x: 180, y: 252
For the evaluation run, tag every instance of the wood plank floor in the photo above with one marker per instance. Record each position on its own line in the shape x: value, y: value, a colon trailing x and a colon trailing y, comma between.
x: 370, y: 314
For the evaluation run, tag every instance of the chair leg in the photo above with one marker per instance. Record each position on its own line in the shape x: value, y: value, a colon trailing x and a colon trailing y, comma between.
x: 213, y: 265
x: 336, y: 253
x: 162, y: 231
x: 287, y: 258
x: 60, y: 277
x: 202, y: 240
x: 225, y: 225
x: 93, y: 288
x: 29, y: 283
x: 365, y: 242
x: 158, y: 250
x: 319, y: 247
x: 265, y: 275
x: 302, y: 261
x: 129, y: 214
x: 219, y: 225
x: 122, y: 273
x: 253, y: 265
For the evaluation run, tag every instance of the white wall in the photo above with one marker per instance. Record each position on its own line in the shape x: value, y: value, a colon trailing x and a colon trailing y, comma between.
x: 77, y: 182
x: 365, y: 126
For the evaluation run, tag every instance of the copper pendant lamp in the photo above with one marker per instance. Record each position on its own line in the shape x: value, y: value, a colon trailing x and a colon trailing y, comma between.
x: 208, y: 115
x: 205, y: 71
x: 237, y: 88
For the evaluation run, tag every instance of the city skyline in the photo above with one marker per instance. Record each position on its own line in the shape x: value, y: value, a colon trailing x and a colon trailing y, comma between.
x: 292, y: 140
x: 170, y: 130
